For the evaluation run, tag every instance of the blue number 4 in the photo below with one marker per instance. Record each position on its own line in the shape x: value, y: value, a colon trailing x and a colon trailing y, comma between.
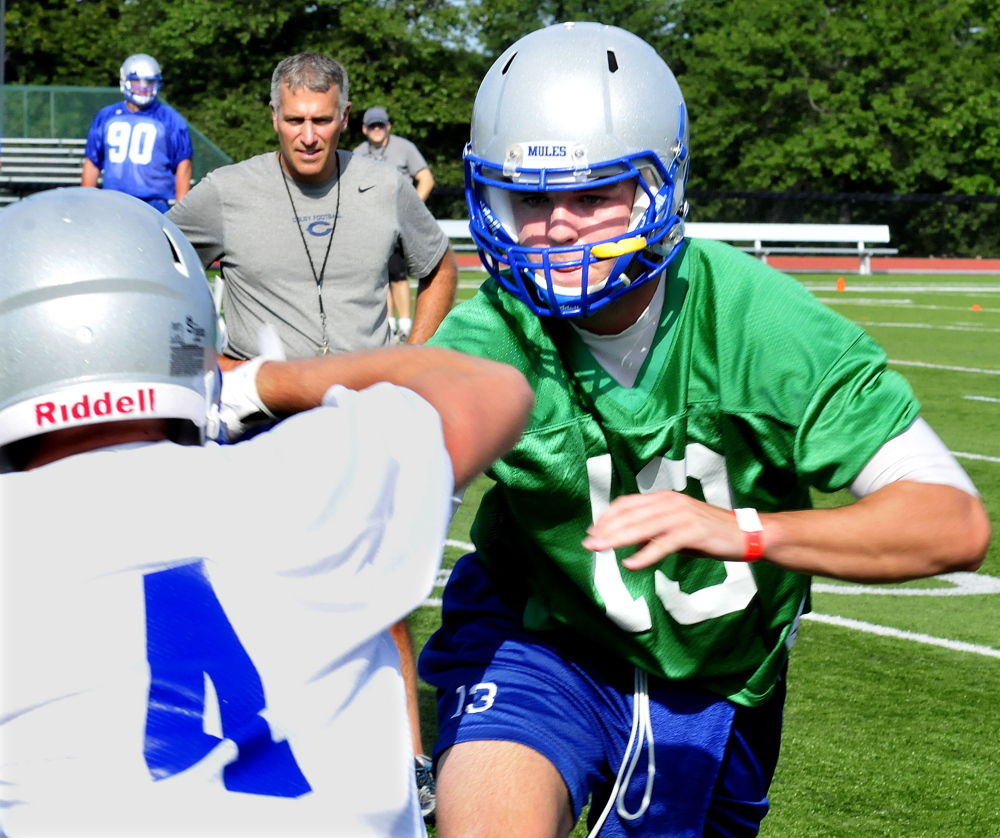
x: 189, y: 637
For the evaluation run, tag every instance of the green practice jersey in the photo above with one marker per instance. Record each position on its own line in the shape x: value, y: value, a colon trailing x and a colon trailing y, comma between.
x: 752, y: 392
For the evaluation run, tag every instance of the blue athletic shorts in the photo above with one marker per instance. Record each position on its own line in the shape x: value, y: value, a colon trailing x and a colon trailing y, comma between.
x: 497, y: 681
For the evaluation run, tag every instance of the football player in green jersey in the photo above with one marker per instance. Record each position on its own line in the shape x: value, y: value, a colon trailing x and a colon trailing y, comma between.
x: 620, y: 636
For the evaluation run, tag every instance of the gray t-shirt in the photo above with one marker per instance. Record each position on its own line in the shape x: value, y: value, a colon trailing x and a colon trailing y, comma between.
x: 397, y: 152
x: 242, y: 216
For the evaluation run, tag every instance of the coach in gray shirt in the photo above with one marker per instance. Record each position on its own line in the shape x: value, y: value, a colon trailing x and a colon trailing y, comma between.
x: 304, y: 235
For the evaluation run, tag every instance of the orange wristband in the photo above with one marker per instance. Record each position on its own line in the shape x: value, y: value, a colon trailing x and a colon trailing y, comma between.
x: 753, y: 532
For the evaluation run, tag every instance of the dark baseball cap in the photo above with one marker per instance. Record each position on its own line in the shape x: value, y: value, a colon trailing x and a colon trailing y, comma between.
x: 376, y: 114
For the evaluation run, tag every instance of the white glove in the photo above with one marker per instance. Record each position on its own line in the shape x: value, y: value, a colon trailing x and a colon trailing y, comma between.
x: 240, y: 400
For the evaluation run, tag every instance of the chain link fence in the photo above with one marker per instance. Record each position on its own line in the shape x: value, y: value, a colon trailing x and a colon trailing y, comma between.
x: 55, y: 112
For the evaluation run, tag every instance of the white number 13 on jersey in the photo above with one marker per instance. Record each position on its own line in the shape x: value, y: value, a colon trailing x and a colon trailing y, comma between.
x: 729, y: 596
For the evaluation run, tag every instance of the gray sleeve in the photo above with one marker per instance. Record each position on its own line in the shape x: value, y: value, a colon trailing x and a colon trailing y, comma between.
x: 415, y: 160
x: 423, y: 240
x: 199, y: 216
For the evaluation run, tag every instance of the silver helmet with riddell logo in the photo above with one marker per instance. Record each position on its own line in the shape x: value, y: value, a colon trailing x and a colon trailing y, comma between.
x: 569, y: 107
x: 105, y: 315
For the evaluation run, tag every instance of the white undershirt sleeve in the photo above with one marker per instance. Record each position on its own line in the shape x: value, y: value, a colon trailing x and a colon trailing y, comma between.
x: 916, y: 454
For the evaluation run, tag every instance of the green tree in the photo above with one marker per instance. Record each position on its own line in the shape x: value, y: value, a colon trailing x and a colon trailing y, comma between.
x: 219, y: 56
x: 498, y: 23
x: 856, y: 96
x: 861, y: 95
x: 62, y: 42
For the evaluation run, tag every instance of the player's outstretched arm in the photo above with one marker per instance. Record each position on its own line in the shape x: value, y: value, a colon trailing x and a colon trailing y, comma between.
x: 905, y: 530
x: 484, y: 406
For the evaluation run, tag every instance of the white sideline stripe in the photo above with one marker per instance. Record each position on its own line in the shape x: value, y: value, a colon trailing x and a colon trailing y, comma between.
x: 904, y: 303
x: 857, y: 285
x: 866, y: 301
x: 886, y: 631
x: 928, y: 326
x: 981, y: 399
x: 942, y: 367
x: 961, y: 584
x: 983, y: 457
x: 462, y: 545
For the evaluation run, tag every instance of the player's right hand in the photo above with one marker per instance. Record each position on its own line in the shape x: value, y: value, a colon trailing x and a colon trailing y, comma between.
x: 241, y: 403
x: 665, y: 522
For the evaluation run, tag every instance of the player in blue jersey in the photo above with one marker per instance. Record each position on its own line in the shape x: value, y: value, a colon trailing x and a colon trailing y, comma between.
x: 142, y: 145
x: 180, y: 661
x: 621, y: 634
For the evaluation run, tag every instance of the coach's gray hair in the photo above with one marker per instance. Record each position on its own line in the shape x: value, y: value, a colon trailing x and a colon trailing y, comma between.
x: 312, y: 71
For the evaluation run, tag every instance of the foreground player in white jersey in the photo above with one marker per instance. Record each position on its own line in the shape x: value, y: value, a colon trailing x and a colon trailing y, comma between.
x: 178, y: 660
x: 620, y: 637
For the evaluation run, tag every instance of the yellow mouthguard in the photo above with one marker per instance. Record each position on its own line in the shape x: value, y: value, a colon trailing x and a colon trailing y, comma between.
x: 612, y: 249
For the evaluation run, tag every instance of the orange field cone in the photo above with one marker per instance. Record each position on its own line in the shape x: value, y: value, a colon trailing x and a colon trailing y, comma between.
x: 977, y: 307
x: 841, y: 285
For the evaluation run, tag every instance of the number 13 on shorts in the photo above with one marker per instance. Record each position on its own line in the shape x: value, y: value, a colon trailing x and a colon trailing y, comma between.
x: 481, y: 697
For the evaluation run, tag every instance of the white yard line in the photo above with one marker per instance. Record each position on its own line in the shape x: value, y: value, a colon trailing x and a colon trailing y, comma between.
x: 960, y: 584
x: 964, y: 455
x: 942, y: 367
x: 856, y: 286
x: 899, y: 634
x: 904, y: 303
x: 868, y: 301
x: 981, y: 399
x: 957, y: 328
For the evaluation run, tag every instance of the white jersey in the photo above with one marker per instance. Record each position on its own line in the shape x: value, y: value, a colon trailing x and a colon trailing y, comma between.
x: 194, y: 639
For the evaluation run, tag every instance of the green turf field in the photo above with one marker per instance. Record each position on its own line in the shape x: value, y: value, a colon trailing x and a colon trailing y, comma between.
x: 888, y: 731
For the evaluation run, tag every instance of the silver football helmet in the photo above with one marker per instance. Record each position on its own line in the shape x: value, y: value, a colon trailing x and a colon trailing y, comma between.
x: 105, y: 315
x: 140, y: 79
x: 577, y: 106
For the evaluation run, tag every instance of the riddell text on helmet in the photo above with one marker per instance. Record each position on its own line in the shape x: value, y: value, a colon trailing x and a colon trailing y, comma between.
x: 53, y: 414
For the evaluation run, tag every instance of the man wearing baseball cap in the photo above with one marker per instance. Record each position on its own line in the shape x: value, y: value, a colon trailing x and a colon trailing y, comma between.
x: 381, y: 144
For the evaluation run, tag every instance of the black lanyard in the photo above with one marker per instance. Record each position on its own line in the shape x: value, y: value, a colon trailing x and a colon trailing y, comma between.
x: 324, y: 347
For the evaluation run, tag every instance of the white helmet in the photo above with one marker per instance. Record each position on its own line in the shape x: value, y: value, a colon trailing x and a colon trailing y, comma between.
x: 105, y: 315
x: 140, y: 79
x: 578, y: 106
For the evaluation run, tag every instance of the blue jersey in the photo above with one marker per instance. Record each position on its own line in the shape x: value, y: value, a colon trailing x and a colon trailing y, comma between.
x: 139, y: 152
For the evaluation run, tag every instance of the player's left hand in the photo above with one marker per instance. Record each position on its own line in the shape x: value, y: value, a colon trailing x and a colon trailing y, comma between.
x: 663, y: 523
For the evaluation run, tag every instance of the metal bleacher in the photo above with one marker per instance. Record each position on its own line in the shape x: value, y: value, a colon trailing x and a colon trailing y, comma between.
x: 27, y: 165
x: 760, y: 240
x: 43, y: 132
